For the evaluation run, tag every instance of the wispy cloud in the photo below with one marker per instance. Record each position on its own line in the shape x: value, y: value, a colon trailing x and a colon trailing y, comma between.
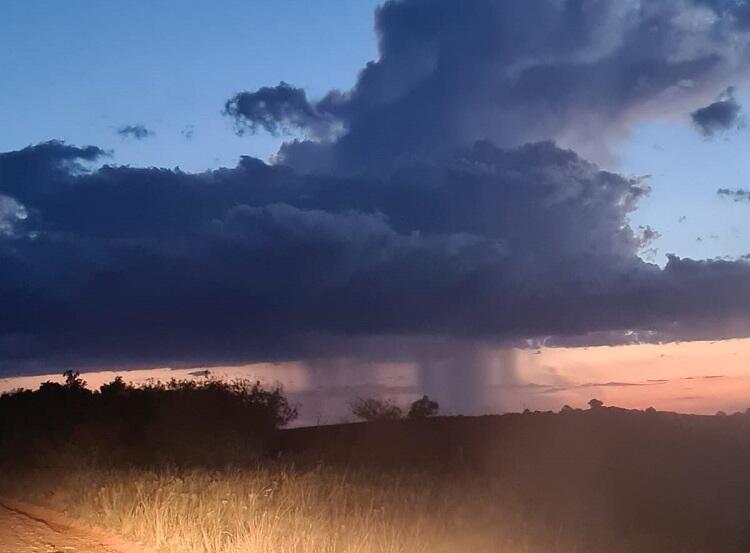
x: 136, y: 132
x: 556, y: 389
x: 736, y: 194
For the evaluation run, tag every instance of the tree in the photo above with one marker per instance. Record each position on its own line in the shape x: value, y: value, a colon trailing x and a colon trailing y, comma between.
x: 596, y: 404
x: 371, y: 409
x: 423, y: 408
x: 73, y: 380
x: 115, y: 388
x: 566, y: 409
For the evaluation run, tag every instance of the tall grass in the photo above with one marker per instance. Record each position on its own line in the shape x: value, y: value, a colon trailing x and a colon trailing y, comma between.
x: 204, y: 468
x: 282, y: 510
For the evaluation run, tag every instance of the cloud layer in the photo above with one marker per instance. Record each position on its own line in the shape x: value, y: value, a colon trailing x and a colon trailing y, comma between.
x: 151, y: 265
x: 429, y: 200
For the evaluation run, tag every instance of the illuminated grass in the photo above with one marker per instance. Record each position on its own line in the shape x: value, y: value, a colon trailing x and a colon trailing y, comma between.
x: 286, y: 511
x: 607, y: 480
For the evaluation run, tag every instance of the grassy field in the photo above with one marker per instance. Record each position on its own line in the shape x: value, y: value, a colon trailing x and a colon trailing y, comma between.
x: 206, y: 468
x: 289, y: 511
x: 613, y: 480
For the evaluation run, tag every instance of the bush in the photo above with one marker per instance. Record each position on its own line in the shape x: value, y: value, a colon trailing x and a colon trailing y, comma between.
x: 423, y: 408
x: 371, y: 409
x: 183, y: 422
x: 596, y: 404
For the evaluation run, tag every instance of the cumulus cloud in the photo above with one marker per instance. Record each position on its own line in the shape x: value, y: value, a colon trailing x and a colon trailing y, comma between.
x: 578, y: 72
x: 250, y: 262
x: 277, y: 109
x: 722, y: 115
x: 438, y: 198
x: 136, y: 132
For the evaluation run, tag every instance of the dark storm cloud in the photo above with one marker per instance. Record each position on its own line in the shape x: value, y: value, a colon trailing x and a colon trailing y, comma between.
x: 136, y: 132
x: 124, y: 265
x: 733, y: 12
x: 722, y: 115
x: 580, y: 72
x: 276, y: 109
x: 425, y: 202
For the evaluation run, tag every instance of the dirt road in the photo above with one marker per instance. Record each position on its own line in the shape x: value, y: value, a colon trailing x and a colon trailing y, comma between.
x: 26, y: 529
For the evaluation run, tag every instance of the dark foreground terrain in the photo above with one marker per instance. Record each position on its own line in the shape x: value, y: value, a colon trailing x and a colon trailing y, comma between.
x: 603, y: 479
x: 680, y: 482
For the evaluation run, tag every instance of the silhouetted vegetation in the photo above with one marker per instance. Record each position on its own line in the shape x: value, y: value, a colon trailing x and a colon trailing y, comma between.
x: 423, y: 408
x: 186, y: 422
x: 373, y: 409
x: 604, y: 478
x: 596, y: 404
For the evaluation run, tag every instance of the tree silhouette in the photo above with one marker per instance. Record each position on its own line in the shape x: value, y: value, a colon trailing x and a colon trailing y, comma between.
x: 596, y: 404
x: 423, y: 408
x: 73, y: 380
x: 371, y: 409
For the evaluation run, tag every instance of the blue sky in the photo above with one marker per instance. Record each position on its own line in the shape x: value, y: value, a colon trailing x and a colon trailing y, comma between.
x: 78, y: 70
x: 686, y: 170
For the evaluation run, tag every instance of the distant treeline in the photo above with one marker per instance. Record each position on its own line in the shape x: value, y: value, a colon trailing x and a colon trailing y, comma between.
x: 182, y: 422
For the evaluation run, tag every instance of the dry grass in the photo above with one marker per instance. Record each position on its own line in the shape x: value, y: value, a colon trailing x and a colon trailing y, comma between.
x: 281, y: 510
x: 606, y: 480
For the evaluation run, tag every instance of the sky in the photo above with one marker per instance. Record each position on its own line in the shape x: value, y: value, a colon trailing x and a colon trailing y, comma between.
x: 201, y: 184
x: 80, y: 71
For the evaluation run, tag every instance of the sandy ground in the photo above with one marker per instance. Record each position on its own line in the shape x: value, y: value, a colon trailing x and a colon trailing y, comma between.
x: 28, y: 529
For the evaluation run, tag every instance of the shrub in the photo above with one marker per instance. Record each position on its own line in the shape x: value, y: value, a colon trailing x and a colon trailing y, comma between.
x: 182, y: 422
x: 596, y: 404
x: 371, y: 409
x: 423, y: 408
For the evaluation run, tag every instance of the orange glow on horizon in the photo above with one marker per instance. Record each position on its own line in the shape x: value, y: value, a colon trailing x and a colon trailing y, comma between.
x: 687, y: 377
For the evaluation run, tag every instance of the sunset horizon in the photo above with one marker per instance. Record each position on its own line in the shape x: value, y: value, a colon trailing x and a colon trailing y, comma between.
x: 375, y: 276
